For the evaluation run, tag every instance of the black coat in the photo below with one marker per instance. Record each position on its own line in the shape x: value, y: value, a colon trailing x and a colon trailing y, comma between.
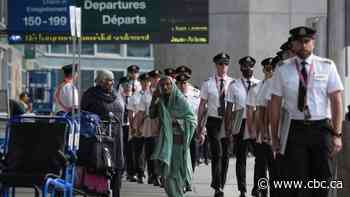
x: 97, y: 101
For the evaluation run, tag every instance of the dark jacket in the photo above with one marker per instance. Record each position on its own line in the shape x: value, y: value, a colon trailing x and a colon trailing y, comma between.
x: 97, y: 101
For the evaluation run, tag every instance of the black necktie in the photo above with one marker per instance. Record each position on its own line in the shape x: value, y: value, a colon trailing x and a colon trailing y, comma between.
x: 125, y: 118
x: 249, y: 84
x: 302, y: 87
x: 222, y: 93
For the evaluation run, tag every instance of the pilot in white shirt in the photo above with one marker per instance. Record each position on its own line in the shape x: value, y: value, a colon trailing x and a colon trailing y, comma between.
x: 236, y: 100
x: 312, y: 92
x: 212, y: 109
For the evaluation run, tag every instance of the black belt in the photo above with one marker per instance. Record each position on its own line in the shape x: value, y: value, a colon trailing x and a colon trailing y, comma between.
x: 310, y: 122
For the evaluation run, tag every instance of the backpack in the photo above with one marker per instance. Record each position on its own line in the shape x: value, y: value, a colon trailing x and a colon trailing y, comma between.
x: 89, y: 124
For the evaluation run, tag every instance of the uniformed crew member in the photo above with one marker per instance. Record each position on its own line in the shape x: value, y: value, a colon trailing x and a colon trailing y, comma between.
x: 236, y: 99
x: 287, y: 49
x: 170, y: 72
x: 135, y: 135
x: 66, y: 94
x: 312, y: 91
x: 155, y: 77
x: 212, y: 108
x: 259, y: 121
x: 185, y: 87
x: 148, y: 127
x: 187, y: 70
x: 125, y: 91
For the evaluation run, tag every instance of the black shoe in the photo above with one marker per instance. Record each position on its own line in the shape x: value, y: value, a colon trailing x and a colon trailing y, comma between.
x: 161, y: 182
x: 219, y: 193
x: 132, y: 178
x: 139, y: 179
x: 150, y: 180
x: 156, y: 181
x: 188, y: 188
x: 242, y: 194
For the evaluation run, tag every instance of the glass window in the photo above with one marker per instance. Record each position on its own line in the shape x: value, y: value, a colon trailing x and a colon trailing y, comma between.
x: 86, y: 49
x: 87, y: 79
x: 139, y: 50
x: 2, y: 11
x: 108, y: 48
x: 117, y: 76
x: 58, y: 48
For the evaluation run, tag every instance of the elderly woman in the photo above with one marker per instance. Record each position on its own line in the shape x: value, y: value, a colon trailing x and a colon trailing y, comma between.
x: 102, y: 99
x: 177, y: 125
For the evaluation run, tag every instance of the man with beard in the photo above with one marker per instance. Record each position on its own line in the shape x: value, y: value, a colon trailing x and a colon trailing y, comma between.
x: 312, y: 92
x: 236, y: 96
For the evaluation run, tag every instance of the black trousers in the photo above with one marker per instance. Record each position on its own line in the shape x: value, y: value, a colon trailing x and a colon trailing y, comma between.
x: 150, y: 145
x: 116, y: 183
x: 307, y: 157
x: 263, y: 164
x: 219, y: 152
x: 194, y: 152
x: 130, y: 166
x: 241, y: 152
x: 125, y: 144
x: 138, y: 156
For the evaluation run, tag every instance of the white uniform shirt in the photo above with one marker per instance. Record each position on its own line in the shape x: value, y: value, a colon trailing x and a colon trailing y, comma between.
x: 132, y: 84
x: 237, y: 92
x: 264, y: 92
x: 133, y: 101
x: 64, y: 100
x: 144, y: 101
x: 210, y: 93
x: 252, y: 95
x: 194, y: 100
x: 323, y: 79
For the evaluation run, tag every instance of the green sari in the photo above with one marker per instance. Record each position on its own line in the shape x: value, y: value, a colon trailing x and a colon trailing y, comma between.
x: 175, y: 159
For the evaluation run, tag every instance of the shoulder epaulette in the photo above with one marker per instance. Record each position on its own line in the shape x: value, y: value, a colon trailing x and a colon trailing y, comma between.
x: 327, y: 61
x: 254, y: 85
x: 232, y: 82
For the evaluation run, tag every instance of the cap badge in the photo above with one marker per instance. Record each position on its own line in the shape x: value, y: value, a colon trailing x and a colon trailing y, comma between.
x: 302, y: 31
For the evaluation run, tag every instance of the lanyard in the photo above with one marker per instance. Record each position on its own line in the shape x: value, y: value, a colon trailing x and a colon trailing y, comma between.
x: 218, y: 86
x: 301, y: 77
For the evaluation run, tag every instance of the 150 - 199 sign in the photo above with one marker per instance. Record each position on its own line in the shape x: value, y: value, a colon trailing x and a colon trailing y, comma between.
x: 30, y: 21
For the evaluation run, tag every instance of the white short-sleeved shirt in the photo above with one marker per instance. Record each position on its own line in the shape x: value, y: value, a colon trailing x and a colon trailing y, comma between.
x: 237, y: 92
x: 132, y: 84
x: 210, y: 93
x: 323, y: 79
x: 263, y: 95
x: 133, y: 101
x: 193, y: 100
x: 64, y: 100
x: 252, y: 96
x: 144, y: 101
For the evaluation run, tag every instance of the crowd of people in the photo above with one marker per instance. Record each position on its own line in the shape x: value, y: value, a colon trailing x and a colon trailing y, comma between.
x: 164, y: 118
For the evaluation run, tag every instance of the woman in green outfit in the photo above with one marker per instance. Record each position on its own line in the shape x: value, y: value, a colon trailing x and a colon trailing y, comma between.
x: 177, y: 126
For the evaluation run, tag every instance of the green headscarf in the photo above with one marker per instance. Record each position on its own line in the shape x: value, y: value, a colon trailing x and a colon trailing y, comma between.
x: 178, y: 107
